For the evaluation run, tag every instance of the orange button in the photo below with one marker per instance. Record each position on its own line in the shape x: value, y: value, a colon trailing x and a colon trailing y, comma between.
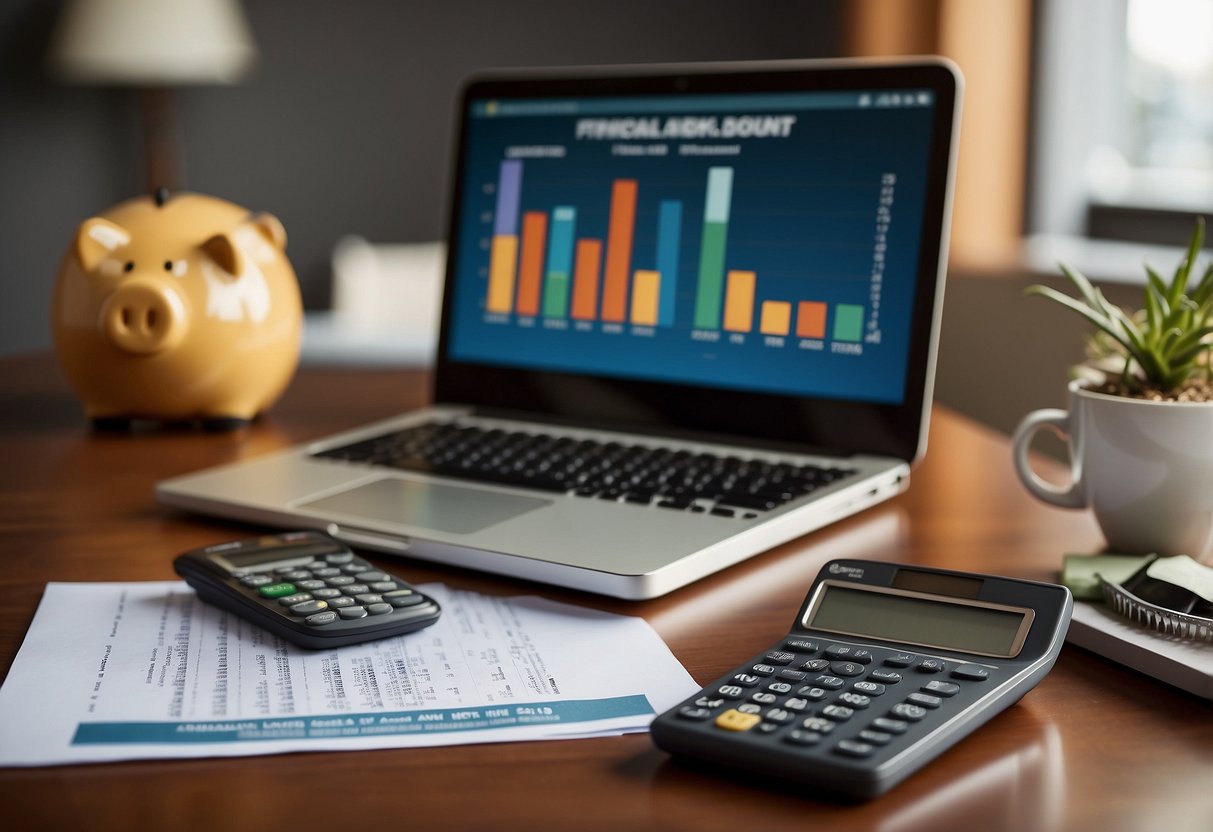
x: 735, y: 720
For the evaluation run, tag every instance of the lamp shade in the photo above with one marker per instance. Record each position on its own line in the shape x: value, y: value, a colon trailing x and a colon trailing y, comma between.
x: 152, y: 42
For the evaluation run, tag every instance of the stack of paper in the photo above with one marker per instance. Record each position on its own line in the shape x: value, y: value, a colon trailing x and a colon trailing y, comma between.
x: 123, y: 671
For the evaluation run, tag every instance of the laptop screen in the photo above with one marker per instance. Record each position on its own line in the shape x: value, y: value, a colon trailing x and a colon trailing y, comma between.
x: 764, y: 240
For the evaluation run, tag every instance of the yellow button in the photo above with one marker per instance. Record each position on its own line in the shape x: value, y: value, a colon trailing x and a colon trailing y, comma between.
x: 735, y: 720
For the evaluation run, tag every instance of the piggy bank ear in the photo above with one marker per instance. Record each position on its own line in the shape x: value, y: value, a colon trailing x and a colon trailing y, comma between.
x: 222, y: 249
x: 270, y: 228
x: 96, y: 239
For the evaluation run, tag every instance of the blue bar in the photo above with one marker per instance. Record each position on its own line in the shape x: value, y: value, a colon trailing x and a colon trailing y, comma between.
x: 509, y: 197
x: 669, y: 237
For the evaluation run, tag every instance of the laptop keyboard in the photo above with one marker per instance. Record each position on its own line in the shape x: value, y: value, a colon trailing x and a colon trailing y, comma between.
x: 726, y: 486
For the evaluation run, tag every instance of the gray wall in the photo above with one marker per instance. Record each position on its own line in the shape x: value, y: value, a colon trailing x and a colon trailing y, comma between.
x: 343, y: 126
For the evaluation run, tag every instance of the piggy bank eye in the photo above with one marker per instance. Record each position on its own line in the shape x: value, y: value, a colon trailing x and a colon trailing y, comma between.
x: 168, y: 265
x: 130, y: 266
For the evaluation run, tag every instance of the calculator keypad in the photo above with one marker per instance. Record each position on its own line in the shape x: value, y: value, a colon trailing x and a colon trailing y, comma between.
x: 338, y: 587
x: 851, y: 700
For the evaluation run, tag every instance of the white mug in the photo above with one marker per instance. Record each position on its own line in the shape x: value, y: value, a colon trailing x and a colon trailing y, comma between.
x: 1144, y: 468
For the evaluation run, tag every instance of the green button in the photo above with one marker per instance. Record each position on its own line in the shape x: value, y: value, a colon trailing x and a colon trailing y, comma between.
x: 276, y: 590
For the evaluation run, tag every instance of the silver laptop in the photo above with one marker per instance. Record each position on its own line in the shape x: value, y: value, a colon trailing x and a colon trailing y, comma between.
x: 690, y: 312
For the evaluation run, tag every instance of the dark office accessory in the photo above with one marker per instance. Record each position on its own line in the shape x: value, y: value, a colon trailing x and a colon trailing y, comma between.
x: 307, y: 588
x: 885, y: 668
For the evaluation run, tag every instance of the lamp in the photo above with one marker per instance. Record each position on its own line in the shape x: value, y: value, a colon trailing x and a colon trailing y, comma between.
x: 154, y: 46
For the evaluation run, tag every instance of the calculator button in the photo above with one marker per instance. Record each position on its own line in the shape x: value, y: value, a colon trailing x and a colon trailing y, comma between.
x: 732, y: 720
x: 890, y: 726
x: 406, y: 598
x: 326, y: 593
x: 296, y: 575
x: 875, y: 737
x: 854, y: 700
x: 355, y: 589
x: 798, y: 737
x: 369, y: 577
x: 838, y: 713
x: 941, y: 688
x: 354, y: 568
x: 972, y: 672
x: 767, y: 727
x: 351, y: 613
x: 705, y: 702
x: 295, y: 598
x: 326, y: 572
x: 731, y: 691
x: 829, y: 682
x: 367, y: 597
x: 886, y: 676
x: 340, y: 580
x: 256, y: 580
x: 379, y: 609
x: 687, y: 712
x: 846, y: 669
x: 338, y: 558
x: 854, y: 748
x: 813, y: 694
x: 817, y: 725
x: 779, y: 716
x: 908, y: 712
x: 870, y: 688
x: 309, y: 584
x: 276, y: 590
x: 321, y: 618
x: 900, y: 660
x: 926, y: 700
x: 749, y: 708
x: 383, y: 586
x: 777, y: 657
x: 931, y: 666
x: 340, y: 601
x: 764, y: 698
x: 815, y: 665
x: 746, y: 680
x: 800, y: 645
x: 791, y: 675
x: 798, y: 704
x: 309, y: 607
x: 762, y: 669
x: 779, y: 687
x: 852, y: 654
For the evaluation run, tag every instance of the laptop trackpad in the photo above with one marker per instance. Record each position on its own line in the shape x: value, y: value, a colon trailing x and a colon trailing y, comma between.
x: 444, y: 508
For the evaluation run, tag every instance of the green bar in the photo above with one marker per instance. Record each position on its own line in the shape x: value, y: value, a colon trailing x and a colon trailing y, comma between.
x: 556, y: 295
x: 848, y: 322
x: 709, y: 295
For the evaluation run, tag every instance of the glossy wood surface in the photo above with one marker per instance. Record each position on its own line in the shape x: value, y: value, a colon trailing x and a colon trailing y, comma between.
x: 1094, y: 746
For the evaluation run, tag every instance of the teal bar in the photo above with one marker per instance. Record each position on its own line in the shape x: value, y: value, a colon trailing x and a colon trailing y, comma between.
x: 848, y: 322
x: 560, y: 262
x: 669, y: 233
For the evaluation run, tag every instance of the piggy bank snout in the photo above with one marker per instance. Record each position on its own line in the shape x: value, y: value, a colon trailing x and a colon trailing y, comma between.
x: 144, y: 317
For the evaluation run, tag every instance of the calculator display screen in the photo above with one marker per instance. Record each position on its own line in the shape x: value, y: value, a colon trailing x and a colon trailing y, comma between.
x: 919, y: 619
x: 272, y: 555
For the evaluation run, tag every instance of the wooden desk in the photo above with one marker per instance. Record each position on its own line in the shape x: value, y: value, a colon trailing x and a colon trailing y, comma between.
x: 1095, y: 746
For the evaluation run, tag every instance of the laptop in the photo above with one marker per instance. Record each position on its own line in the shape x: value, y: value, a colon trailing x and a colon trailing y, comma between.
x: 689, y: 313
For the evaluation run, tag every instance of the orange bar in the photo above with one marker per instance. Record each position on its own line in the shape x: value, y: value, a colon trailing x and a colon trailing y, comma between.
x: 776, y: 317
x: 502, y: 258
x: 811, y: 320
x: 645, y: 288
x: 739, y: 302
x: 619, y: 250
x: 530, y: 269
x: 585, y: 279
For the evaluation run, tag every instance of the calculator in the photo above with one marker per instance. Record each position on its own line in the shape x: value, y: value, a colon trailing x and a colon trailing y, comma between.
x: 307, y: 588
x: 885, y: 668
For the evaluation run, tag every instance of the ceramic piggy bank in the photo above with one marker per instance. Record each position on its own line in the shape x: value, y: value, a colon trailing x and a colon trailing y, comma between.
x: 178, y: 308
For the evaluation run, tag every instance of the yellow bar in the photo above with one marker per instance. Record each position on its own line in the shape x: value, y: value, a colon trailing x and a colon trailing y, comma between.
x: 503, y: 260
x: 776, y: 317
x: 645, y: 287
x: 739, y: 302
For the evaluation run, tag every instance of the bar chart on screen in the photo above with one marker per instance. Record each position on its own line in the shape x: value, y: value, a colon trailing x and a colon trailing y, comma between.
x: 665, y: 265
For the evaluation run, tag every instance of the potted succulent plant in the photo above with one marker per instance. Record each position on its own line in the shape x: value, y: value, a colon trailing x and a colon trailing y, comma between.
x: 1140, y: 418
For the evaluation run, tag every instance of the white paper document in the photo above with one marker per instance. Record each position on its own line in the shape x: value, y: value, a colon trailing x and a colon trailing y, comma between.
x: 126, y: 671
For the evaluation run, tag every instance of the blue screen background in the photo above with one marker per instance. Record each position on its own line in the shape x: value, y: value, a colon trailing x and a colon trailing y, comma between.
x: 803, y: 217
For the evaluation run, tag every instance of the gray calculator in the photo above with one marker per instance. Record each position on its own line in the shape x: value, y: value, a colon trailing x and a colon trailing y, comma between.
x: 307, y: 588
x: 885, y: 668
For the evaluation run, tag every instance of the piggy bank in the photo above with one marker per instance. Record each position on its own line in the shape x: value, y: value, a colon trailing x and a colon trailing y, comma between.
x: 177, y: 308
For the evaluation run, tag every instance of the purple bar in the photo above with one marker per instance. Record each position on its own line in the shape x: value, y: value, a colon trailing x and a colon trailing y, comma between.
x: 509, y: 196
